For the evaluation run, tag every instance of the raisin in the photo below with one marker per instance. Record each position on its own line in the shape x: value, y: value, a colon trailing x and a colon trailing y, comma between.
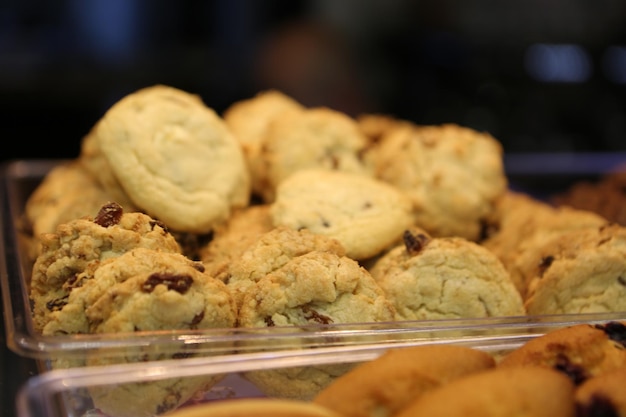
x: 414, y: 243
x: 615, y: 330
x: 598, y: 406
x: 269, y: 322
x: 57, y: 304
x: 621, y: 280
x: 545, y: 263
x: 313, y: 315
x: 197, y: 318
x: 576, y: 373
x: 109, y: 215
x: 178, y: 283
x: 159, y: 223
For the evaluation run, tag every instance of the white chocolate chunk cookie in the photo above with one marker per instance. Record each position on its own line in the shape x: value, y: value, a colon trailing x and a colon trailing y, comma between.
x: 249, y: 120
x: 441, y: 278
x: 452, y: 174
x: 313, y: 138
x: 83, y: 244
x: 580, y: 272
x: 174, y: 157
x: 364, y: 214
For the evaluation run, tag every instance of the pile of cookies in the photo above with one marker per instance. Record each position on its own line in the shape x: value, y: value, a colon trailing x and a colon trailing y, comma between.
x: 574, y: 371
x: 275, y: 214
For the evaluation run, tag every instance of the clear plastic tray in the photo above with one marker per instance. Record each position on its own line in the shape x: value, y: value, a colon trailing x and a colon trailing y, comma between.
x: 19, y: 179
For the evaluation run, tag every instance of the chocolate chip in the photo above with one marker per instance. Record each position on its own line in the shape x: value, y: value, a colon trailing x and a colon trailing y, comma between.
x: 269, y: 322
x: 197, y: 318
x: 178, y: 283
x: 109, y: 215
x: 545, y: 263
x: 414, y: 243
x: 621, y: 280
x: 615, y: 330
x: 57, y: 304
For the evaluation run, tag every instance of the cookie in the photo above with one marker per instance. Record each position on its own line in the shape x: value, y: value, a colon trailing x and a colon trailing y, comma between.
x: 317, y: 288
x: 430, y: 278
x: 174, y: 158
x: 249, y: 119
x: 316, y: 138
x: 602, y: 395
x: 231, y: 240
x: 580, y: 351
x: 579, y: 272
x: 387, y: 384
x: 521, y: 224
x: 270, y: 252
x: 499, y: 392
x: 84, y: 243
x: 364, y: 214
x: 258, y: 407
x: 376, y: 126
x: 452, y: 174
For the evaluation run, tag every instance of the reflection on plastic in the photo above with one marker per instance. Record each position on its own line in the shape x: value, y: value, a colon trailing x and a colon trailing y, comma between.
x: 558, y: 63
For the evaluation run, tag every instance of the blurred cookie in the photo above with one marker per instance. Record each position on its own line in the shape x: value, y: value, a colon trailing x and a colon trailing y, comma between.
x: 249, y: 119
x: 364, y: 214
x: 385, y: 385
x: 440, y: 278
x: 521, y: 224
x: 231, y: 239
x: 452, y: 174
x: 603, y: 395
x: 173, y: 157
x: 315, y: 138
x: 375, y: 125
x: 84, y: 243
x: 317, y: 288
x: 499, y: 392
x: 258, y: 407
x: 579, y: 272
x: 270, y: 252
x: 580, y: 351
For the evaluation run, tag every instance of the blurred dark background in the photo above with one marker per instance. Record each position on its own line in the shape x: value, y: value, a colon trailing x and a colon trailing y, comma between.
x: 538, y: 75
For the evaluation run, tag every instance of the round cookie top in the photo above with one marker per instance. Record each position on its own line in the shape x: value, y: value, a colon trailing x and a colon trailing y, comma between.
x: 581, y: 271
x: 435, y: 278
x: 580, y: 351
x: 365, y: 214
x: 453, y: 175
x: 314, y: 138
x: 388, y: 383
x: 84, y: 243
x: 499, y: 392
x: 174, y: 157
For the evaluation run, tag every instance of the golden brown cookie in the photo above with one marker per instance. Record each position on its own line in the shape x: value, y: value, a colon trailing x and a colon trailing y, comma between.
x: 579, y: 272
x: 365, y: 214
x: 580, y: 351
x: 453, y: 175
x: 440, y: 278
x: 249, y: 119
x: 316, y: 138
x: 499, y: 392
x: 173, y: 157
x: 385, y: 385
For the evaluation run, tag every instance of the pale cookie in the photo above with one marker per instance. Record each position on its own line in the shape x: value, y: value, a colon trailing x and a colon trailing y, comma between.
x: 271, y: 251
x: 441, y: 278
x: 499, y: 392
x: 579, y: 351
x: 249, y: 120
x: 603, y: 395
x: 82, y: 244
x: 317, y: 288
x: 318, y: 138
x: 257, y: 407
x: 385, y: 385
x: 232, y: 239
x: 523, y: 224
x: 376, y: 126
x: 174, y: 157
x: 579, y: 272
x: 365, y: 214
x: 452, y: 174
